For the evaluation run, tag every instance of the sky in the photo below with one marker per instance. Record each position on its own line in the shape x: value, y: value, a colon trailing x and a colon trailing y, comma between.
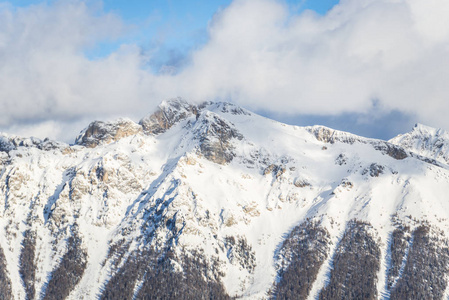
x: 371, y: 67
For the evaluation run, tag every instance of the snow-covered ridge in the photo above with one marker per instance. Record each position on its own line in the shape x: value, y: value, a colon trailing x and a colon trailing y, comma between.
x: 426, y: 141
x: 106, y: 132
x: 11, y: 142
x: 217, y: 195
x: 329, y: 135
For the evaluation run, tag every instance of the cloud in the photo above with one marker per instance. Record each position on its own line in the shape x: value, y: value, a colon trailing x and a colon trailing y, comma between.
x: 390, y: 51
x: 45, y: 75
x: 259, y: 54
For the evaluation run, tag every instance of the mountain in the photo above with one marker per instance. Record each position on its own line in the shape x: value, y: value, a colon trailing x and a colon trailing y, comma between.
x: 212, y: 201
x: 425, y: 141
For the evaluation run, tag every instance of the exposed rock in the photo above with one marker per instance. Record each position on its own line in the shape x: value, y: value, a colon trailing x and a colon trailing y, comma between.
x: 6, y: 145
x: 215, y: 135
x: 341, y: 160
x: 425, y: 141
x: 11, y: 142
x: 346, y: 183
x: 331, y: 136
x: 275, y: 169
x: 374, y: 170
x: 251, y: 210
x: 100, y: 133
x: 394, y: 151
x: 269, y: 169
x: 301, y: 183
x: 328, y: 135
x: 168, y: 114
x: 232, y: 109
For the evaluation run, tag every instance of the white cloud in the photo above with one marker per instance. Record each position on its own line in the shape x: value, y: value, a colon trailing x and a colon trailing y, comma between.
x: 363, y: 50
x: 258, y: 55
x: 45, y: 75
x: 66, y: 130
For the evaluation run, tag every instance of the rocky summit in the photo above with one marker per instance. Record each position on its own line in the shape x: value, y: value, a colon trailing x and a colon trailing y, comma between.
x: 212, y: 201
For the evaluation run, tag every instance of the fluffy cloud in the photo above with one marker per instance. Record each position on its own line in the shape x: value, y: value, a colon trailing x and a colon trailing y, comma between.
x: 46, y: 77
x: 390, y: 52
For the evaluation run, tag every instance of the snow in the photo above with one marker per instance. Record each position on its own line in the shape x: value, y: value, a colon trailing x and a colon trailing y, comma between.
x: 215, y: 201
x: 426, y: 141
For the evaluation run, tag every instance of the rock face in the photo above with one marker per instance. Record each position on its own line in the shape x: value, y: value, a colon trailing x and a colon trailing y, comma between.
x: 328, y: 135
x: 426, y: 141
x: 9, y: 143
x: 211, y: 201
x: 98, y: 133
x: 215, y: 135
x: 168, y: 113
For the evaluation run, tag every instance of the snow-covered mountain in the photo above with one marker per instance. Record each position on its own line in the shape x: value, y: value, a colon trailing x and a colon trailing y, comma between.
x: 212, y: 201
x: 426, y: 141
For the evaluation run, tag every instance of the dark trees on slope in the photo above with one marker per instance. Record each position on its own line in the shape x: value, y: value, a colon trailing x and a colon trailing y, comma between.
x: 424, y: 275
x: 69, y: 272
x: 355, y: 267
x: 160, y: 280
x: 306, y: 248
x: 5, y: 282
x: 27, y: 266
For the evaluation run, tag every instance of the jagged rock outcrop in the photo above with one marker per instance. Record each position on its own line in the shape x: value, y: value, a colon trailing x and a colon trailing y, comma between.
x: 331, y: 136
x: 215, y: 135
x: 10, y: 142
x: 168, y: 113
x: 99, y: 133
x: 425, y: 141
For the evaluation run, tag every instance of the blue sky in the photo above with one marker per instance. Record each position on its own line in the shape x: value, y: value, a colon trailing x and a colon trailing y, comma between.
x: 170, y: 29
x: 173, y: 28
x: 371, y: 67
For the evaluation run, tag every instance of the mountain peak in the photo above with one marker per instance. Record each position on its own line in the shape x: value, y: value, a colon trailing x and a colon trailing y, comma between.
x: 99, y: 132
x: 12, y: 142
x: 169, y: 112
x: 240, y: 205
x: 425, y: 141
x: 428, y: 130
x: 177, y: 103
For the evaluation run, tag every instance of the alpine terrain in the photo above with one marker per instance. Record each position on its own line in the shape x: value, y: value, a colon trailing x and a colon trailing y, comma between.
x: 212, y: 201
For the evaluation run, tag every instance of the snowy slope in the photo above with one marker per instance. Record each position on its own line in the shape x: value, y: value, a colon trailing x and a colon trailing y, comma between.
x: 213, y: 179
x: 426, y: 141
